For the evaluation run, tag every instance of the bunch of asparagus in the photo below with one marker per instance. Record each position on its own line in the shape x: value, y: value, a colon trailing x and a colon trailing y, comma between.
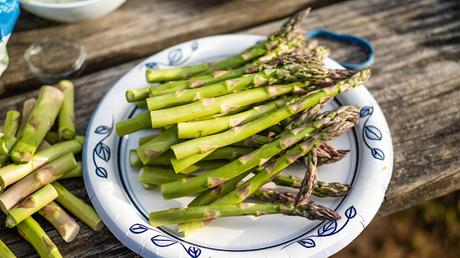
x: 38, y: 148
x: 240, y: 122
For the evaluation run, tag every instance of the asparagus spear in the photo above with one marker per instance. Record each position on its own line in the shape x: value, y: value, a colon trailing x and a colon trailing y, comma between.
x: 201, y: 128
x: 255, y: 158
x: 78, y: 207
x: 67, y: 227
x: 138, y: 94
x: 52, y: 137
x: 255, y: 140
x: 276, y: 166
x: 327, y: 154
x: 76, y: 172
x: 30, y: 205
x: 310, y: 179
x: 9, y: 132
x: 14, y: 172
x: 287, y: 31
x: 157, y: 145
x: 222, y: 104
x: 158, y: 176
x: 134, y: 124
x: 203, y: 144
x: 27, y: 108
x: 66, y: 120
x: 283, y: 69
x: 5, y: 252
x: 180, y: 165
x: 41, y: 119
x: 31, y: 231
x: 181, y: 215
x: 42, y: 176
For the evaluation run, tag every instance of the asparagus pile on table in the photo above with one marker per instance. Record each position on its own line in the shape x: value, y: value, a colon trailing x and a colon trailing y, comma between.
x: 31, y: 167
x: 240, y: 122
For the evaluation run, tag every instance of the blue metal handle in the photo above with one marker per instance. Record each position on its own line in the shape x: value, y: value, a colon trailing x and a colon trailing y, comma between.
x: 346, y: 38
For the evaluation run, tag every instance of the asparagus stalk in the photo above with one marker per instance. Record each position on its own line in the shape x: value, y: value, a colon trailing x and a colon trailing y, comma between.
x: 157, y: 145
x: 287, y: 31
x: 195, y: 129
x: 255, y: 158
x: 222, y: 104
x: 42, y: 176
x: 134, y: 124
x: 15, y: 172
x: 5, y: 252
x: 181, y: 215
x: 78, y: 207
x: 158, y: 175
x: 41, y: 119
x: 138, y: 94
x: 66, y: 120
x: 52, y: 137
x: 255, y: 140
x: 310, y: 179
x: 211, y: 142
x: 67, y: 227
x: 276, y: 166
x: 76, y: 172
x: 27, y: 108
x: 10, y: 129
x: 30, y: 205
x: 283, y: 69
x: 180, y: 165
x: 327, y: 154
x: 31, y: 231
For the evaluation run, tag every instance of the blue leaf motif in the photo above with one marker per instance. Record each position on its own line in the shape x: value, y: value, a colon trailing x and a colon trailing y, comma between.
x: 102, y: 151
x: 366, y: 111
x: 194, y: 45
x: 194, y: 252
x: 138, y: 228
x: 162, y: 241
x: 102, y: 129
x: 372, y: 133
x: 175, y: 56
x: 328, y: 228
x: 101, y: 172
x: 307, y: 242
x: 350, y: 212
x: 151, y: 65
x: 378, y: 153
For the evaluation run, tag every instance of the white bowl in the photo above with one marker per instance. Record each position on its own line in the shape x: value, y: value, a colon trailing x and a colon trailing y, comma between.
x: 72, y: 11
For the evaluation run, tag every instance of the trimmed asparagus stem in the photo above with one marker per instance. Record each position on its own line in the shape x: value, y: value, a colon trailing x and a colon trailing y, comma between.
x: 157, y: 145
x: 31, y: 231
x: 257, y: 157
x: 141, y: 104
x: 254, y: 141
x: 287, y: 31
x: 180, y: 165
x: 67, y: 227
x: 5, y: 252
x: 134, y: 124
x: 15, y: 172
x: 206, y: 127
x: 52, y: 137
x: 218, y: 105
x: 78, y: 207
x: 134, y: 160
x: 144, y: 139
x: 66, y: 120
x: 27, y: 108
x: 10, y: 129
x: 211, y: 142
x: 275, y: 167
x: 181, y: 215
x: 76, y: 172
x: 42, y: 176
x: 41, y: 119
x: 30, y: 205
x: 138, y: 94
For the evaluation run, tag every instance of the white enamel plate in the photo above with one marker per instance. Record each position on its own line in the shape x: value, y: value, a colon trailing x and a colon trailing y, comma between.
x: 124, y: 204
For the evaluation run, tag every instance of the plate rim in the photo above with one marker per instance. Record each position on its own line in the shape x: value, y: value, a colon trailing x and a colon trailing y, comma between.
x: 134, y: 245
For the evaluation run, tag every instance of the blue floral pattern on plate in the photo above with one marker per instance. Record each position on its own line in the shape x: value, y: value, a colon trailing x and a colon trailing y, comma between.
x: 101, y: 151
x: 371, y: 133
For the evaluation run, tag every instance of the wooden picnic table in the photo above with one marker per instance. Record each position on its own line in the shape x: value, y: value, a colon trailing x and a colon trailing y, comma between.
x: 415, y: 79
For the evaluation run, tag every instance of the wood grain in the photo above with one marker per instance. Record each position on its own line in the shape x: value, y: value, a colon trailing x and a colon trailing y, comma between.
x: 140, y: 28
x: 415, y: 80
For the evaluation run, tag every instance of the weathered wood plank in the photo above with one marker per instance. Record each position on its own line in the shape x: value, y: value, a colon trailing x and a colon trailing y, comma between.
x: 415, y: 80
x: 140, y: 28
